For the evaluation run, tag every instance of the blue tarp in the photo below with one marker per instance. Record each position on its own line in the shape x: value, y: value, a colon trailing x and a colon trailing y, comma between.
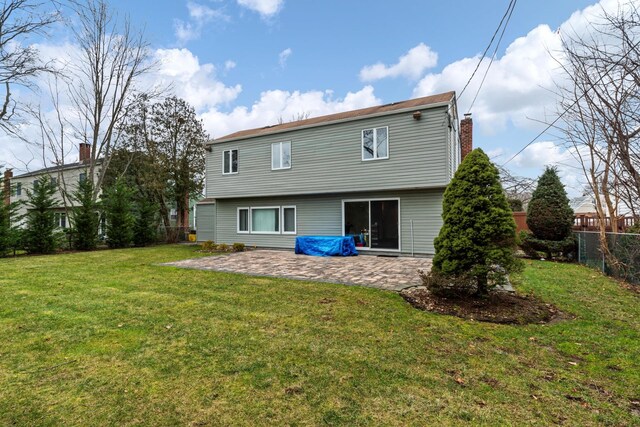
x: 326, y: 245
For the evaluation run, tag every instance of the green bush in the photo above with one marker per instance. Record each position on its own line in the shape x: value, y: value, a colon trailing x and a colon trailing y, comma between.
x: 532, y: 247
x: 86, y: 217
x: 9, y: 231
x: 477, y: 240
x: 238, y: 247
x: 223, y: 247
x: 209, y: 246
x: 119, y: 217
x: 549, y: 215
x: 516, y: 205
x: 144, y: 227
x: 40, y: 234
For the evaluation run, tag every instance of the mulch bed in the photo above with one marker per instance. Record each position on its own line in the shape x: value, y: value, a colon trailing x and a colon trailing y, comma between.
x: 498, y: 307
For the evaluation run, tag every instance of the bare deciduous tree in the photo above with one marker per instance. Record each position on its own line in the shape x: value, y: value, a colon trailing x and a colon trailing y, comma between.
x: 600, y: 109
x: 113, y: 58
x: 19, y: 60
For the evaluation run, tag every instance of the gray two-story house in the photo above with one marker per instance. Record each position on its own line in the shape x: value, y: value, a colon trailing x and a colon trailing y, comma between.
x: 376, y: 173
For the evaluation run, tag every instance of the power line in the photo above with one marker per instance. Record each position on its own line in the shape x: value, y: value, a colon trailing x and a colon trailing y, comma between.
x: 512, y: 6
x: 484, y: 54
x: 618, y: 62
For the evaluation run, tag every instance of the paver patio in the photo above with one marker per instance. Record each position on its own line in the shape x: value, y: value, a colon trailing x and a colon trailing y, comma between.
x: 389, y: 273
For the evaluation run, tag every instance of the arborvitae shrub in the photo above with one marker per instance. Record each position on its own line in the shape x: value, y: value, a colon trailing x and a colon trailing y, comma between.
x: 40, y: 234
x: 86, y: 217
x: 118, y: 209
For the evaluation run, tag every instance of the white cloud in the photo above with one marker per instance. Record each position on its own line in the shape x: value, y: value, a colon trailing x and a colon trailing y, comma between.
x: 283, y: 56
x: 229, y: 65
x: 520, y: 84
x: 411, y: 65
x: 266, y: 8
x: 195, y: 82
x: 276, y: 104
x: 200, y: 15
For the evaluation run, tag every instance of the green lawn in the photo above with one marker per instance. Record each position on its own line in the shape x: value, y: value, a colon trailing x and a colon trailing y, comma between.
x: 110, y: 338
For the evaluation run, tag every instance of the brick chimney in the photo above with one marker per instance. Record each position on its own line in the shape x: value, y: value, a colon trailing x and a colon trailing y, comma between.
x: 8, y: 174
x: 466, y: 136
x: 85, y: 152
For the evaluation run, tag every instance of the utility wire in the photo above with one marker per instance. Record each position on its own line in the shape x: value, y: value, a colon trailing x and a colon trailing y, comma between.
x: 512, y: 6
x: 618, y: 62
x: 484, y: 54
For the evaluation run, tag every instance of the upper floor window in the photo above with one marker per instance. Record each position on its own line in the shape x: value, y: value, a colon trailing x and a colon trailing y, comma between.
x: 375, y: 143
x: 19, y: 189
x: 281, y: 155
x: 229, y: 161
x: 35, y: 185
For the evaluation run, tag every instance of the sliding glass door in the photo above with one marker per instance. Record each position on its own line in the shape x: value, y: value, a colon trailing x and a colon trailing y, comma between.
x: 374, y: 224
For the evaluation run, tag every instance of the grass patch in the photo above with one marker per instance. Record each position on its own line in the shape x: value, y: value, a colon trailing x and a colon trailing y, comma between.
x: 111, y: 338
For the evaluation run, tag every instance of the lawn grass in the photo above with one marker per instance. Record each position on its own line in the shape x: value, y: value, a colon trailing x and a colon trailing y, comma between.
x: 112, y: 338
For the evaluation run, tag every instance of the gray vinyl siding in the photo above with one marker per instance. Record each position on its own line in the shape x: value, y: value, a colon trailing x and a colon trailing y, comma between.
x: 322, y: 215
x: 328, y: 159
x: 206, y: 222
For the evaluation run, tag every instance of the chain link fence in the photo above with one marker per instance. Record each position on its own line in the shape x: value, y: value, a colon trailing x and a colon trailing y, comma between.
x: 625, y: 247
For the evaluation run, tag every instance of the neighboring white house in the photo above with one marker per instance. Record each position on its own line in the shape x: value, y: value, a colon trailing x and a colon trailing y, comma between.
x: 65, y: 177
x: 586, y: 206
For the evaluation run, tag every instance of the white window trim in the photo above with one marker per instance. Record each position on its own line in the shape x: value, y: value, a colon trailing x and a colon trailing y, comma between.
x: 248, y: 221
x: 224, y: 152
x: 295, y: 219
x: 262, y: 208
x: 376, y: 199
x: 280, y: 154
x: 375, y: 145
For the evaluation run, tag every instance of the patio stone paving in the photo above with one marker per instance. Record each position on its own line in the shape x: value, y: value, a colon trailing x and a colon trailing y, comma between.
x: 389, y: 273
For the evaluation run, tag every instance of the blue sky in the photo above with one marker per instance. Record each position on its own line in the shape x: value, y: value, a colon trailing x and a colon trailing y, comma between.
x: 245, y: 63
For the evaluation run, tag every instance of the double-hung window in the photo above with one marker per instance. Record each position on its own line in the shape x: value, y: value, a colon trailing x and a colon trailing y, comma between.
x: 243, y: 220
x: 288, y: 220
x: 229, y: 162
x: 19, y: 189
x: 375, y: 143
x: 281, y: 155
x: 82, y: 177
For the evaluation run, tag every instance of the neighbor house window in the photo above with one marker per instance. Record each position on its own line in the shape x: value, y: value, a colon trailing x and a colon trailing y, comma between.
x: 288, y: 220
x: 60, y: 219
x: 375, y: 143
x: 243, y: 220
x: 82, y: 177
x: 54, y: 181
x: 229, y: 162
x: 19, y: 189
x: 281, y: 155
x: 265, y: 220
x: 35, y: 185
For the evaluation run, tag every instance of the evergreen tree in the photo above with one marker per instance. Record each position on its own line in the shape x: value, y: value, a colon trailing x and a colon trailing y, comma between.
x: 144, y: 230
x: 476, y: 242
x: 40, y: 235
x: 549, y: 215
x: 119, y: 217
x: 9, y: 232
x: 86, y: 217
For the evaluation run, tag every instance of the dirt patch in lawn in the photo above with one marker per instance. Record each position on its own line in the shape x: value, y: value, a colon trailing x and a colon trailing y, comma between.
x: 498, y: 307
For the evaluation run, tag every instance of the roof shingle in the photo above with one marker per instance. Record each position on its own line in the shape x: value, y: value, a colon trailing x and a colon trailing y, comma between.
x: 317, y: 121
